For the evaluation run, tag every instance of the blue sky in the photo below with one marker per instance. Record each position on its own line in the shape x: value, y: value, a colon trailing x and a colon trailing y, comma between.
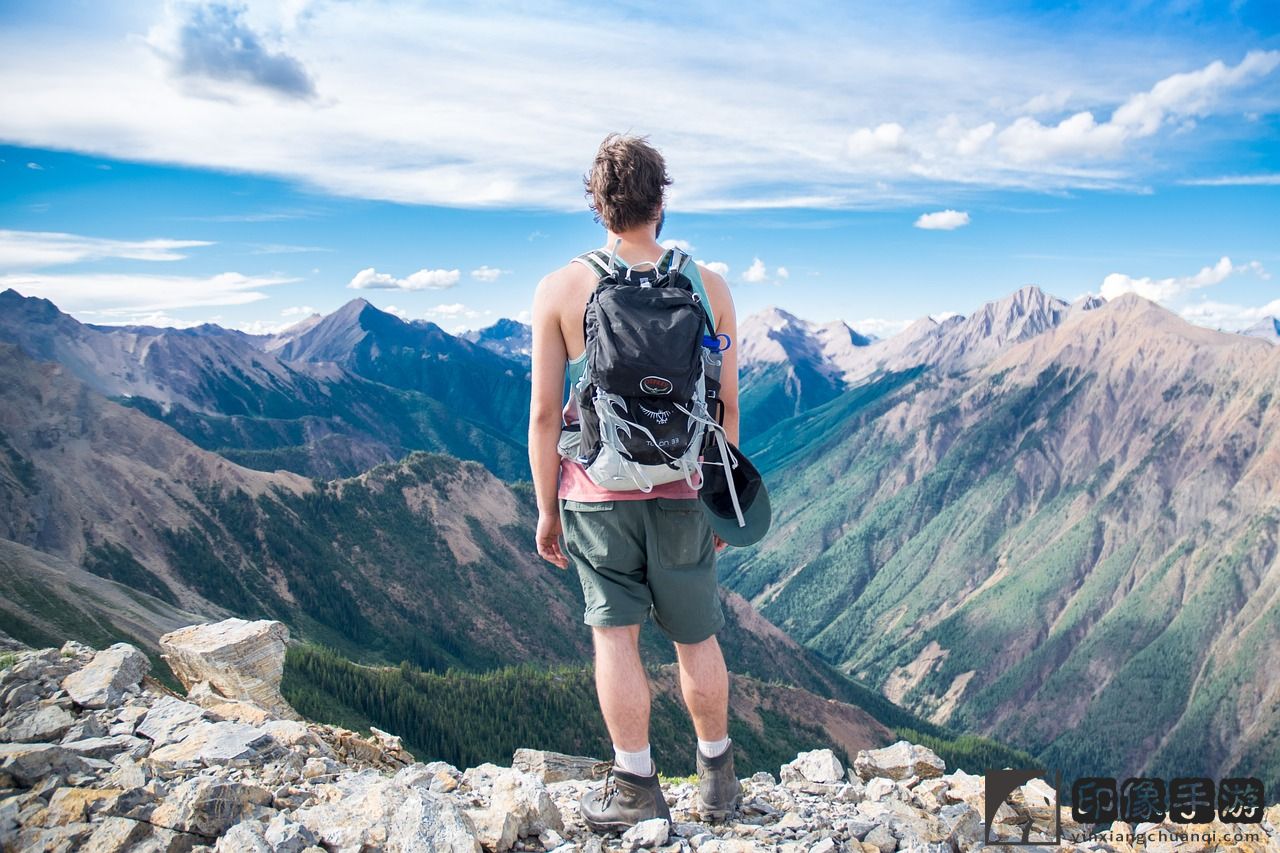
x: 180, y: 162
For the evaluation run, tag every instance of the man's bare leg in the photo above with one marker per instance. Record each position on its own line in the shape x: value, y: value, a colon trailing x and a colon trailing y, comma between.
x: 622, y: 686
x: 704, y: 683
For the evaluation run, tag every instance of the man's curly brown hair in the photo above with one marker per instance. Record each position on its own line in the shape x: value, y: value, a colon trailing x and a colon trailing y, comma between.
x: 626, y: 183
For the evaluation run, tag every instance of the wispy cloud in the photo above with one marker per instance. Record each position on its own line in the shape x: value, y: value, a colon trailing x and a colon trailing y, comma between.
x: 1165, y: 289
x: 28, y: 250
x: 879, y: 326
x: 1222, y: 315
x: 35, y: 167
x: 286, y: 249
x: 419, y: 103
x: 424, y: 279
x: 1262, y: 180
x: 116, y: 295
x: 943, y: 220
x: 487, y: 273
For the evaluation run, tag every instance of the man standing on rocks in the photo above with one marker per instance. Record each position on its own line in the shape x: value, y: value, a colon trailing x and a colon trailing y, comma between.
x: 636, y: 552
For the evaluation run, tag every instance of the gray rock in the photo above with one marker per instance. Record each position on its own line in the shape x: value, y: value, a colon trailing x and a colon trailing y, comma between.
x: 551, y: 767
x: 168, y: 720
x: 819, y: 765
x: 519, y: 805
x: 214, y: 743
x: 646, y: 833
x: 248, y: 836
x: 882, y: 839
x: 45, y: 725
x: 31, y: 763
x: 104, y: 681
x: 427, y: 821
x: 241, y: 660
x: 901, y: 760
x: 439, y: 777
x: 85, y: 727
x: 964, y: 824
x: 108, y: 747
x: 209, y: 806
x: 287, y: 836
x: 367, y: 808
x: 117, y: 835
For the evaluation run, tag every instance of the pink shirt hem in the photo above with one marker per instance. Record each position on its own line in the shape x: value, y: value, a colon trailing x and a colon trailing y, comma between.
x: 575, y: 485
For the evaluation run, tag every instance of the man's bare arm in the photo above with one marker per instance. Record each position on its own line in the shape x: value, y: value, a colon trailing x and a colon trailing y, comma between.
x: 726, y: 324
x: 547, y: 374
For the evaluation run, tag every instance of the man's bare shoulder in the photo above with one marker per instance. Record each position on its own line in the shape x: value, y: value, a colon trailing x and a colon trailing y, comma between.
x: 717, y: 287
x: 560, y: 283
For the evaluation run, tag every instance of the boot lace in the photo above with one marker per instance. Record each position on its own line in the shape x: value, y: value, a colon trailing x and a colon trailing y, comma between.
x: 610, y: 789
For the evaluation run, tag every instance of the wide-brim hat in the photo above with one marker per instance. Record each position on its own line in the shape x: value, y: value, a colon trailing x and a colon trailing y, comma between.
x: 753, y: 499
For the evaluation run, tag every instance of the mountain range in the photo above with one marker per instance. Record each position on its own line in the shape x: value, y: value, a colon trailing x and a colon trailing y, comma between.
x: 331, y: 397
x: 789, y: 365
x: 115, y: 527
x: 1009, y: 523
x: 1070, y: 545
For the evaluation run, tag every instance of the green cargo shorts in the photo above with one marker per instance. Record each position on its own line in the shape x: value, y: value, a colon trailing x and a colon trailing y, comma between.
x: 638, y: 557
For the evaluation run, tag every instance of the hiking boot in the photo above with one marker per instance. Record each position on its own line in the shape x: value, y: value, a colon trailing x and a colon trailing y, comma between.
x: 718, y: 788
x: 623, y: 801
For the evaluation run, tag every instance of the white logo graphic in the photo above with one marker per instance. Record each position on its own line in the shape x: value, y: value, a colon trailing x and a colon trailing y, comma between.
x: 661, y: 416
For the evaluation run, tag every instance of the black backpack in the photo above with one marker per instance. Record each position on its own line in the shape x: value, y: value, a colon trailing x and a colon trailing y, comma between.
x: 651, y: 379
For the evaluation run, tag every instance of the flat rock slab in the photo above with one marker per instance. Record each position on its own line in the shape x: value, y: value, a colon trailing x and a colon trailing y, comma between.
x: 32, y: 763
x: 239, y: 659
x: 105, y: 680
x: 214, y: 743
x: 168, y: 720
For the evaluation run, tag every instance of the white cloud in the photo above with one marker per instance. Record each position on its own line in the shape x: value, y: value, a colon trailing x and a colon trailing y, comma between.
x: 298, y: 311
x: 524, y: 316
x: 453, y: 311
x: 397, y: 311
x: 35, y: 166
x: 879, y: 326
x: 418, y: 103
x: 943, y: 220
x: 683, y: 245
x: 424, y: 279
x: 1178, y: 97
x: 1047, y: 102
x: 487, y: 273
x: 1163, y: 289
x: 115, y: 295
x: 38, y: 249
x: 758, y: 273
x: 1261, y: 180
x: 1221, y: 315
x: 720, y: 268
x: 889, y: 139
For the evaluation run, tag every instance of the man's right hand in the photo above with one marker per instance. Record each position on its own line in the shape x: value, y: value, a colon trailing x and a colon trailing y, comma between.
x: 549, y: 540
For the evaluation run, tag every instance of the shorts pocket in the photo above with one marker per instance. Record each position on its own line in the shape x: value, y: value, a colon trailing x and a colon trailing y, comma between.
x: 684, y: 536
x: 586, y: 530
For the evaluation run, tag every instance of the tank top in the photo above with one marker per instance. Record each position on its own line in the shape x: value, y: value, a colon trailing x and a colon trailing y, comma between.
x: 575, y: 485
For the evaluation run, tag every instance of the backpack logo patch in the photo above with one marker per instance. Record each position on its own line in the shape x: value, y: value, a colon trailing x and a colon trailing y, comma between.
x: 656, y: 386
x: 661, y: 416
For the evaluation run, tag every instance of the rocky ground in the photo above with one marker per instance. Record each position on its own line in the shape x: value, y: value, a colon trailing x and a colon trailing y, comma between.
x: 97, y: 756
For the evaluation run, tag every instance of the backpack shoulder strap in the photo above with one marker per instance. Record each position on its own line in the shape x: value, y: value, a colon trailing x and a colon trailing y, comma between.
x: 596, y: 261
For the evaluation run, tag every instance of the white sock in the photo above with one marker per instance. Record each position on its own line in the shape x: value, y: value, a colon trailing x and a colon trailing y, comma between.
x: 639, y: 763
x: 712, y: 748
